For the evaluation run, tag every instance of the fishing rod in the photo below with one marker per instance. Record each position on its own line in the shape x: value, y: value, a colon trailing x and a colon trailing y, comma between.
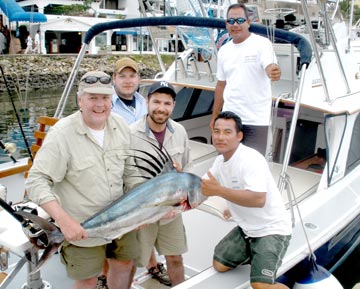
x: 17, y: 115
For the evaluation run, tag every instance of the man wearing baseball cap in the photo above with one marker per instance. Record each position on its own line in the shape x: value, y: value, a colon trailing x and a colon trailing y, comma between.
x: 168, y: 236
x: 131, y: 105
x: 126, y: 101
x: 74, y: 177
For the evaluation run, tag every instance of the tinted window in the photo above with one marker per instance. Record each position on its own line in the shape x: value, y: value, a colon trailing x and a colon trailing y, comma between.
x: 204, y: 103
x: 353, y: 158
x: 183, y: 98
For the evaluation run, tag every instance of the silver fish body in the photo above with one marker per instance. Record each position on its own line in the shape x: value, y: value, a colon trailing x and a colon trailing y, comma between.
x: 145, y: 204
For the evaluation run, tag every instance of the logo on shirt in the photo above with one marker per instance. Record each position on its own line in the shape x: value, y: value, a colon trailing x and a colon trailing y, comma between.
x: 250, y: 58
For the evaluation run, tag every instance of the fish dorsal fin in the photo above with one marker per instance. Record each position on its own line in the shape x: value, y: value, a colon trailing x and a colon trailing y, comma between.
x: 159, y: 163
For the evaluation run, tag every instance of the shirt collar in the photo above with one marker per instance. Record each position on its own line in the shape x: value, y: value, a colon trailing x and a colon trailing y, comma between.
x: 146, y: 129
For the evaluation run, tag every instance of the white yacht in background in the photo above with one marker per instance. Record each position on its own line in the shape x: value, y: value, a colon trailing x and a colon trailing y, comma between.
x: 313, y: 151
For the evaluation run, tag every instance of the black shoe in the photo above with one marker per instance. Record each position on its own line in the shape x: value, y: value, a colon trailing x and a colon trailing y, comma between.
x: 101, y: 282
x: 159, y: 273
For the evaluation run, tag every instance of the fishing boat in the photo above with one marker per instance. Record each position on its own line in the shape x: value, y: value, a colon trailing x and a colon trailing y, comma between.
x: 313, y: 148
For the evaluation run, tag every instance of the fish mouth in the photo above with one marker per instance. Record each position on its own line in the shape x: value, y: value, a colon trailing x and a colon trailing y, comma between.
x: 195, y: 199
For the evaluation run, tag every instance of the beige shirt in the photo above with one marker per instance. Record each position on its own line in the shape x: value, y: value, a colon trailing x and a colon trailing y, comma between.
x: 176, y: 141
x: 72, y: 168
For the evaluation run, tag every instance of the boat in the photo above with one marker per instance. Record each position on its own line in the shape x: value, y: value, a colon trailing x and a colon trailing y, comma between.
x: 313, y: 149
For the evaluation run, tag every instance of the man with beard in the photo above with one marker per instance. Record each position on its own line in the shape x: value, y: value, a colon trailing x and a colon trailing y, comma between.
x: 131, y: 105
x: 167, y: 235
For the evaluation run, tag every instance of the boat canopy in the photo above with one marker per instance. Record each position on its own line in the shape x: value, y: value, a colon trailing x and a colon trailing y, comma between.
x: 16, y: 13
x: 280, y: 36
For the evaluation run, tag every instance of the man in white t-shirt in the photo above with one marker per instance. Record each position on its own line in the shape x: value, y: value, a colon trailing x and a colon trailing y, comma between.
x: 29, y: 44
x: 241, y: 175
x: 246, y: 66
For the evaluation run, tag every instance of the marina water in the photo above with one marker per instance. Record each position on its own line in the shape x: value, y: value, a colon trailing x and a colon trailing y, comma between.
x: 30, y: 106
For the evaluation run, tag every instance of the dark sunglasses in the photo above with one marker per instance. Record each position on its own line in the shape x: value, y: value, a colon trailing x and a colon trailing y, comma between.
x: 94, y: 79
x: 232, y: 21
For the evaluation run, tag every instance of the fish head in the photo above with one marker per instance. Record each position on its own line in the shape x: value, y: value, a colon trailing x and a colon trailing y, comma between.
x: 194, y: 195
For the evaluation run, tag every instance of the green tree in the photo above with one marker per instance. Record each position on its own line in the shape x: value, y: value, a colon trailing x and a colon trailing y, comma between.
x: 346, y: 9
x: 73, y: 9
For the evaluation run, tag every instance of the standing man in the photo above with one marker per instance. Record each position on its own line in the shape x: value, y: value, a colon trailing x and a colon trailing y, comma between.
x: 246, y: 66
x: 37, y: 42
x: 126, y: 101
x: 168, y: 236
x: 241, y: 176
x: 131, y: 105
x: 79, y: 171
x: 29, y: 44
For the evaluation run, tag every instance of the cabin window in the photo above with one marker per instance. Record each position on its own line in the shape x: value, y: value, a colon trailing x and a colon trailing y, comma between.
x: 353, y: 158
x: 192, y: 103
x: 183, y: 98
x: 204, y: 103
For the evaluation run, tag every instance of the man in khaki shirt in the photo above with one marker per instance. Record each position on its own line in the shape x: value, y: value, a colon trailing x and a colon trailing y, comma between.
x: 168, y: 236
x: 77, y: 172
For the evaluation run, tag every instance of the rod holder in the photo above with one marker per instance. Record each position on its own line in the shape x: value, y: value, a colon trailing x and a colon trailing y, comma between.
x: 209, y: 70
x: 194, y: 68
x: 181, y: 67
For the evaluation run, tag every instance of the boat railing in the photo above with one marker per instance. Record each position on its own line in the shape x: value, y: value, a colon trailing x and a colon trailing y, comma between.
x: 280, y: 36
x: 283, y: 182
x: 329, y: 39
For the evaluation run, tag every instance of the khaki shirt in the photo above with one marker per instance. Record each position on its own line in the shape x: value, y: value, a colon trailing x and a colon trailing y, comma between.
x: 72, y: 168
x: 176, y: 143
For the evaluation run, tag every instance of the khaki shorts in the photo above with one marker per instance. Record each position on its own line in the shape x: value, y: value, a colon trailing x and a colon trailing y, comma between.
x: 87, y: 262
x: 168, y: 239
x: 265, y: 253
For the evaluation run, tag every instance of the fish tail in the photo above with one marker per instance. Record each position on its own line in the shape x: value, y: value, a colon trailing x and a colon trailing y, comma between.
x: 43, y: 235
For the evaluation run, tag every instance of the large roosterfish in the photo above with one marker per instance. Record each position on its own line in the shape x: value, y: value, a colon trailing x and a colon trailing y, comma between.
x: 167, y: 192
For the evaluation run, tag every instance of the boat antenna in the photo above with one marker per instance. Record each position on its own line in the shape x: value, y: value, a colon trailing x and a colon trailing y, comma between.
x: 17, y: 115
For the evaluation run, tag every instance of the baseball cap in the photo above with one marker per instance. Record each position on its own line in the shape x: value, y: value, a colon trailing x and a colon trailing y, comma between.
x: 126, y: 62
x: 162, y: 86
x: 96, y: 82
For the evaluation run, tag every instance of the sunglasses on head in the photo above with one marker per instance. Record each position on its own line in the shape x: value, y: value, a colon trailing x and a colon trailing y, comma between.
x: 94, y: 79
x: 232, y: 21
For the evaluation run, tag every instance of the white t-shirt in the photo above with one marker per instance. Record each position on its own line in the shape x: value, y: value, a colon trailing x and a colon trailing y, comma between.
x: 98, y: 135
x: 248, y: 88
x: 37, y: 39
x: 247, y: 169
x: 29, y: 41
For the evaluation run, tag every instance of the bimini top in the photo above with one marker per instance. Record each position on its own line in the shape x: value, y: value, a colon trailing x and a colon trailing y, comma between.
x: 14, y: 12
